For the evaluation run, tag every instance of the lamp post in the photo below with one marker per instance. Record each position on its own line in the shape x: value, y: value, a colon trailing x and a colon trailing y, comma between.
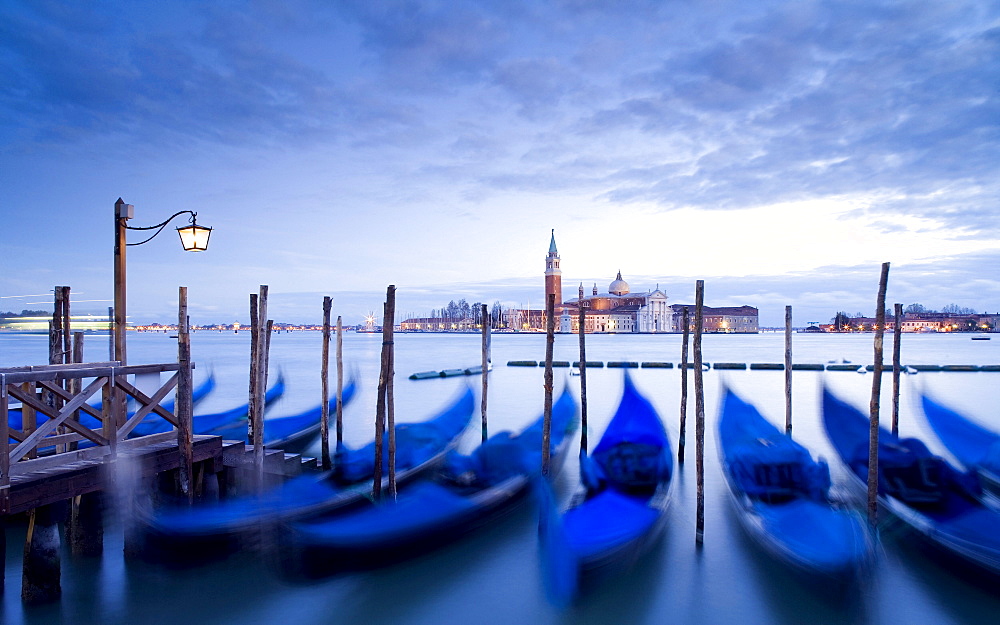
x: 194, y: 238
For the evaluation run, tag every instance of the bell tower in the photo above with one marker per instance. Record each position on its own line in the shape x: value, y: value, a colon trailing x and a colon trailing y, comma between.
x: 553, y: 275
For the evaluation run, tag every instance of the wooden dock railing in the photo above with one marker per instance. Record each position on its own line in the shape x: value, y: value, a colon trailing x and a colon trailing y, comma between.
x: 63, y: 436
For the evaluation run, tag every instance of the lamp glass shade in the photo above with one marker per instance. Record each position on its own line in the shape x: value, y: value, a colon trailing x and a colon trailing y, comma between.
x: 194, y: 238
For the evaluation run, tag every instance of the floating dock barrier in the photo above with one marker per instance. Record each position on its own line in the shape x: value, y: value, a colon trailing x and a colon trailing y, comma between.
x: 657, y: 365
x: 522, y: 363
x: 925, y: 367
x: 805, y: 366
x: 447, y: 373
x: 990, y: 368
x: 960, y: 368
x: 704, y: 366
x: 425, y: 375
x: 767, y: 366
x: 843, y: 367
x: 591, y: 364
x: 560, y: 363
x: 624, y: 364
x: 730, y: 365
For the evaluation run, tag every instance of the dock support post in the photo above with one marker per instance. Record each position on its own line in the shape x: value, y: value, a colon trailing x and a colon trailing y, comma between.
x: 185, y: 407
x: 40, y: 581
x: 86, y: 528
x: 876, y: 394
x: 682, y: 437
x: 699, y: 410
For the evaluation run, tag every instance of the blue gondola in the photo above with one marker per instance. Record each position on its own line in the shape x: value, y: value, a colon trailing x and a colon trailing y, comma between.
x: 14, y: 415
x: 419, y: 446
x: 782, y: 496
x: 291, y: 432
x: 943, y: 504
x: 622, y: 509
x: 975, y: 447
x: 468, y: 492
x: 207, y: 423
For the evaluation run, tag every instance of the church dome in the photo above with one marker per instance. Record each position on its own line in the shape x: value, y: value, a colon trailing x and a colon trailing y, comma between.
x: 619, y: 286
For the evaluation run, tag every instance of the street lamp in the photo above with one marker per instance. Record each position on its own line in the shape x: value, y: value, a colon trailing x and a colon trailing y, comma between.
x: 194, y: 238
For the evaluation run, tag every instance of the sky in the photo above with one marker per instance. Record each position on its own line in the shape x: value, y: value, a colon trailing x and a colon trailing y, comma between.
x: 779, y: 151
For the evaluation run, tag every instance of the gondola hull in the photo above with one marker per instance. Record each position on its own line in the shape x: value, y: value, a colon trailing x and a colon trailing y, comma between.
x: 794, y: 522
x: 620, y: 513
x: 948, y: 511
x: 420, y: 447
x: 434, y: 511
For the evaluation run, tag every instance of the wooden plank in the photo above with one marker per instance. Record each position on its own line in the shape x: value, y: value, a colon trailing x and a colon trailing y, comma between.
x: 51, y: 484
x: 54, y: 373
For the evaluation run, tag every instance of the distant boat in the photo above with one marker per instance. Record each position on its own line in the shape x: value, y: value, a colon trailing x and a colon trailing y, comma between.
x: 782, y: 496
x: 942, y: 504
x: 980, y: 338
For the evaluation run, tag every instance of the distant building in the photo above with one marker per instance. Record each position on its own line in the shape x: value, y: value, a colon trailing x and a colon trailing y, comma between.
x: 922, y: 322
x: 725, y: 320
x: 619, y: 310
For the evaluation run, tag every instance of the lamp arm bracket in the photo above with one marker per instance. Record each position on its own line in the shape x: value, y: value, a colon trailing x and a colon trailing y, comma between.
x: 158, y: 227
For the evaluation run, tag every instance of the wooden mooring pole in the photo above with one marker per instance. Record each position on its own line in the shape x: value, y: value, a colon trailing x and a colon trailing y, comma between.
x: 550, y: 333
x: 184, y: 405
x: 583, y: 376
x: 897, y: 335
x: 682, y: 437
x: 699, y: 409
x: 260, y: 344
x: 324, y: 375
x: 788, y: 369
x: 390, y: 405
x: 485, y: 320
x: 382, y: 395
x: 340, y: 383
x: 876, y: 394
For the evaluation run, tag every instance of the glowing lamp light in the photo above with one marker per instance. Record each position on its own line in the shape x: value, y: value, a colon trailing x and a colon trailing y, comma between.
x: 194, y: 238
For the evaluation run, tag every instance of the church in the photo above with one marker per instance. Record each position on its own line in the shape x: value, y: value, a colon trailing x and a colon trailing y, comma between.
x: 619, y: 310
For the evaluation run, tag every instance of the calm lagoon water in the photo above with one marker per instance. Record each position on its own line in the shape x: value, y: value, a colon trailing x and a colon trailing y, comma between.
x: 494, y: 576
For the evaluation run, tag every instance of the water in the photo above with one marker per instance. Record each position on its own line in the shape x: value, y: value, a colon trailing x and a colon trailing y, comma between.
x: 494, y: 576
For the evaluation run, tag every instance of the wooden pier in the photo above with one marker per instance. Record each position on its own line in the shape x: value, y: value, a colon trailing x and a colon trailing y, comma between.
x: 65, y: 452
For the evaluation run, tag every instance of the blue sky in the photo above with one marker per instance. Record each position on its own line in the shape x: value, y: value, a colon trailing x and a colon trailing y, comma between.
x: 781, y: 151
